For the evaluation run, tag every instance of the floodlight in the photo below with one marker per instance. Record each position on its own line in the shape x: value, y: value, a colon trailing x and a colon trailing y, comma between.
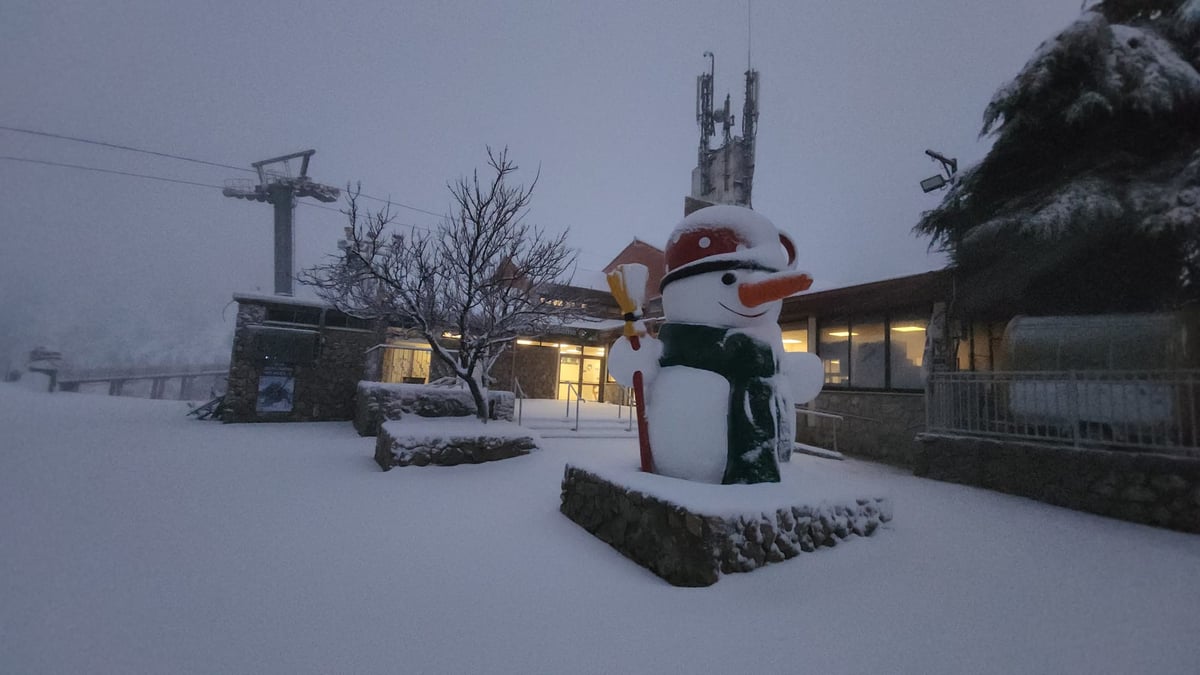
x: 932, y: 183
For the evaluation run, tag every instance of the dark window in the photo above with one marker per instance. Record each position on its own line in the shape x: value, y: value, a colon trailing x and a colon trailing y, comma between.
x: 284, y: 345
x: 335, y: 319
x: 308, y: 316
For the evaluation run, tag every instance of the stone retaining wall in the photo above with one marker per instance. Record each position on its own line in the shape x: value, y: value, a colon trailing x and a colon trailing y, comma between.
x: 396, y: 446
x: 1139, y: 487
x: 687, y: 548
x: 377, y: 402
x: 881, y: 426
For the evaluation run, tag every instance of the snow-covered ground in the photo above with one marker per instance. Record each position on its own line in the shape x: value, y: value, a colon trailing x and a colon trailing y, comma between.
x: 136, y: 540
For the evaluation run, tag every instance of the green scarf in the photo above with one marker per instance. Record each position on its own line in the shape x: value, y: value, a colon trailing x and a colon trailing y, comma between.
x: 749, y: 366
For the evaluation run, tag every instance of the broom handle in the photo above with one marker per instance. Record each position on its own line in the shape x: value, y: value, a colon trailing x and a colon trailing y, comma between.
x: 643, y: 430
x: 640, y: 405
x: 632, y: 309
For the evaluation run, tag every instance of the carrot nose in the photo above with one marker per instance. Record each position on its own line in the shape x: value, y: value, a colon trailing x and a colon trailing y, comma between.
x: 773, y: 288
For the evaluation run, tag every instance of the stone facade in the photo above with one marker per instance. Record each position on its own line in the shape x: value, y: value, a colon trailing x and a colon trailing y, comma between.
x: 323, y: 387
x: 881, y: 426
x: 688, y: 548
x: 378, y: 402
x: 394, y: 447
x: 1139, y: 487
x: 536, y: 367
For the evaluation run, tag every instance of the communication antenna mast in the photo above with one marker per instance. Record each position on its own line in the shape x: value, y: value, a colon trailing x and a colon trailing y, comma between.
x: 749, y: 35
x: 723, y: 175
x: 277, y: 186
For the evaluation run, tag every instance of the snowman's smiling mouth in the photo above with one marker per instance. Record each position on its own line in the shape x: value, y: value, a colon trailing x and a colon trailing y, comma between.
x: 748, y: 316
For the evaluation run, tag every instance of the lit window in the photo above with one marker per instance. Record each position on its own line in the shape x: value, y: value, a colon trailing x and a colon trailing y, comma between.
x: 406, y: 362
x: 834, y: 349
x: 795, y: 340
x: 907, y: 352
x: 868, y: 354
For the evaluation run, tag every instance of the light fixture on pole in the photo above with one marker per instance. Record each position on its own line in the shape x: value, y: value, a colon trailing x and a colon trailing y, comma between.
x: 938, y: 181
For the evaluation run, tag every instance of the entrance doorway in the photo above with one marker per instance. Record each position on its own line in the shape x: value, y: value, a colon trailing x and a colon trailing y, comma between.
x: 581, y: 369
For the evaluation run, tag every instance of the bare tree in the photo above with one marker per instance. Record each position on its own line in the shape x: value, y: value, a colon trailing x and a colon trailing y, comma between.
x: 469, y: 287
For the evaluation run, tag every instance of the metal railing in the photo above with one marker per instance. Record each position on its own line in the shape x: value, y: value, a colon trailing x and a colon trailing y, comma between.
x: 573, y: 388
x: 1156, y: 411
x: 519, y: 394
x: 627, y: 399
x: 836, y: 420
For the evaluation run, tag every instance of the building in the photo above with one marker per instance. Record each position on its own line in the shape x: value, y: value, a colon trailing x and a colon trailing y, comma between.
x: 295, y: 360
x: 872, y: 340
x: 301, y: 360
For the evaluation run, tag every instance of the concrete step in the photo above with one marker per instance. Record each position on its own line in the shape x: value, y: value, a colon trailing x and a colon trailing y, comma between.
x: 588, y: 428
x: 816, y: 451
x: 544, y: 423
x: 585, y: 433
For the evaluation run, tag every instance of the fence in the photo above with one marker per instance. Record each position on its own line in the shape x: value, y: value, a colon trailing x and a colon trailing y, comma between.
x: 1139, y: 410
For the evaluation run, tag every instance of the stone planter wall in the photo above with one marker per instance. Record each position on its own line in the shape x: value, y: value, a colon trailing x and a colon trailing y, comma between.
x: 401, y: 446
x: 688, y: 548
x: 378, y: 402
x: 1138, y: 487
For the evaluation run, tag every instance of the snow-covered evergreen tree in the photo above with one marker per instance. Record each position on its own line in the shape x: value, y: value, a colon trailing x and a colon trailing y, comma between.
x: 469, y: 287
x: 1089, y: 199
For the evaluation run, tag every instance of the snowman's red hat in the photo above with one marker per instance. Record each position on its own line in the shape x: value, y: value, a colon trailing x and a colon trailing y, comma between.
x: 725, y: 237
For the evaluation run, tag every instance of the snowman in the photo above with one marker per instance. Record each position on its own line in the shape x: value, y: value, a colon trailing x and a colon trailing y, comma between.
x: 719, y: 389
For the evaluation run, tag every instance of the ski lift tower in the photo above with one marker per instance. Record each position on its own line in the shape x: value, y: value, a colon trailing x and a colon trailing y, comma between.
x: 277, y: 186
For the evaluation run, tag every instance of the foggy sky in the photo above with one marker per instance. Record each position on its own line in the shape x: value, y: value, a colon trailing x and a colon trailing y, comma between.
x: 407, y: 96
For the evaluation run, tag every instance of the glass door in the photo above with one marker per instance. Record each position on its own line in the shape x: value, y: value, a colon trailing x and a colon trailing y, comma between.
x: 592, y: 379
x: 568, y: 374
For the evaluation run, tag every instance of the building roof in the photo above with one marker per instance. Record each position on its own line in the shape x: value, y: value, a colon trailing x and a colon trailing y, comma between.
x: 268, y: 298
x: 917, y: 291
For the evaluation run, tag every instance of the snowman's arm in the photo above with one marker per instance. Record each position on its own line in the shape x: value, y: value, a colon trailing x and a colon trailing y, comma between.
x: 624, y: 360
x: 804, y: 373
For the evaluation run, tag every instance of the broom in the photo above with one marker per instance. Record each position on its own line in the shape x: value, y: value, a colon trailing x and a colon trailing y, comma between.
x: 628, y: 285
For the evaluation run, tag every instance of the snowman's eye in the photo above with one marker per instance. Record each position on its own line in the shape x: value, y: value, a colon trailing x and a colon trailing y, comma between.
x: 728, y: 278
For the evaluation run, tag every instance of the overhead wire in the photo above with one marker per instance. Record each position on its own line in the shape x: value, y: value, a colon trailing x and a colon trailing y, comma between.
x: 129, y: 148
x: 113, y: 171
x: 169, y: 155
x: 118, y: 146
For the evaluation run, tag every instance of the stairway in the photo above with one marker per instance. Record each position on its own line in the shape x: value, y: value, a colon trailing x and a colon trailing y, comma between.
x: 589, y: 427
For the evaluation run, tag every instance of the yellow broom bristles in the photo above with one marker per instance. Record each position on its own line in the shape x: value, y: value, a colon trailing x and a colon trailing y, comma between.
x: 628, y: 285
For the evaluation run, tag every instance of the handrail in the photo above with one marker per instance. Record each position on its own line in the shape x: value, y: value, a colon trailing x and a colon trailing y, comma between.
x: 837, y: 420
x: 628, y: 394
x: 817, y: 413
x: 573, y: 387
x: 519, y: 393
x: 842, y: 415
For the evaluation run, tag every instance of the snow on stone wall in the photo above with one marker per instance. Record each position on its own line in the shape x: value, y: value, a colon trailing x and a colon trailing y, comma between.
x: 692, y: 546
x: 1141, y: 487
x: 450, y: 441
x: 377, y: 402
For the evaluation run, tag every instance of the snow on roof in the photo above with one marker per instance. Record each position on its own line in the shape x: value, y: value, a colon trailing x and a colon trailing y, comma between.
x: 860, y: 278
x: 590, y: 279
x: 594, y: 324
x: 281, y: 300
